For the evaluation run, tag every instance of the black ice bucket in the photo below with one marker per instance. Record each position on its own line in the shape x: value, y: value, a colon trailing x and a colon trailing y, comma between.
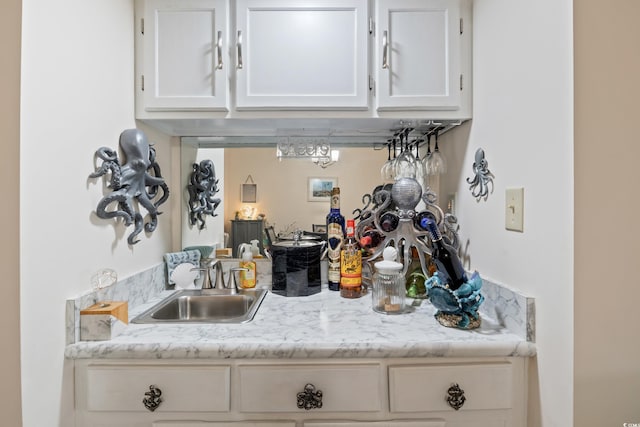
x: 296, y: 267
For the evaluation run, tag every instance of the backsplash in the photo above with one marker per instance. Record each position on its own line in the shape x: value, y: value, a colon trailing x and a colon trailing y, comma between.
x: 509, y: 308
x: 516, y: 312
x: 135, y: 289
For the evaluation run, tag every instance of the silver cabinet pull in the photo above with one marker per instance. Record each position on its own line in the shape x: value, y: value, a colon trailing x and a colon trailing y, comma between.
x: 455, y: 396
x: 219, y: 49
x: 309, y: 398
x: 152, y: 398
x: 385, y: 50
x: 239, y: 46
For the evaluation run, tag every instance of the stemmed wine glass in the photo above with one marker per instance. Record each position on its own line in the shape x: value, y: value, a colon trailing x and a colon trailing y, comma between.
x: 438, y: 164
x: 405, y: 164
x: 387, y: 170
x: 421, y: 172
x: 426, y: 161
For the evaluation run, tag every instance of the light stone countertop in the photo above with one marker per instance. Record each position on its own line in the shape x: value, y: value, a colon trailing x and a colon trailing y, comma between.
x: 323, y: 325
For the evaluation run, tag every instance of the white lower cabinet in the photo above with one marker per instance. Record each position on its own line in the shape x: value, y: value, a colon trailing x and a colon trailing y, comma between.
x: 440, y: 392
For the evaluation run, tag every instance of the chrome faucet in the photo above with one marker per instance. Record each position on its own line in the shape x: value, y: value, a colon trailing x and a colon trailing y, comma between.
x: 233, y: 285
x: 208, y: 265
x: 219, y: 283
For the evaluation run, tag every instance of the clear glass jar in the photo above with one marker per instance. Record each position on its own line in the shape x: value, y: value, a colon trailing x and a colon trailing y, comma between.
x: 388, y: 294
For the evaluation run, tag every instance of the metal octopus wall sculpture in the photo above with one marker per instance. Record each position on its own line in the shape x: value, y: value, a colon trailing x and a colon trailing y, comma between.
x: 203, y: 186
x: 138, y: 179
x: 483, y: 177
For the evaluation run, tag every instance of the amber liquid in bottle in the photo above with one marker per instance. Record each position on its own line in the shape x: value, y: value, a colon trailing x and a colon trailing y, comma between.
x: 351, y: 265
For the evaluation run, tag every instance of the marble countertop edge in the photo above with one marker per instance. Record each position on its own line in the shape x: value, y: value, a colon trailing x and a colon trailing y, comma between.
x: 109, y: 350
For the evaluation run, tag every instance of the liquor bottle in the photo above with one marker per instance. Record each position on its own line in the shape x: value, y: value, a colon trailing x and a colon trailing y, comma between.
x: 351, y: 265
x: 335, y: 237
x: 444, y: 256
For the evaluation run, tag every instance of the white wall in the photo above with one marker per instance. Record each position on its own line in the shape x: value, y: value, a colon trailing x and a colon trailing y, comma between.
x: 77, y: 95
x: 523, y: 119
x: 282, y: 185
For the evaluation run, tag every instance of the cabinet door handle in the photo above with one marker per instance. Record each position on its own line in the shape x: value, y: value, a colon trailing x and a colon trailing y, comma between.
x: 385, y: 50
x: 219, y: 49
x: 455, y: 396
x: 152, y: 398
x: 309, y: 398
x: 239, y: 47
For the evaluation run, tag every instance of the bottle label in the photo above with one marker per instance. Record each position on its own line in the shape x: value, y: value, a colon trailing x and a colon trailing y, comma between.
x: 335, y: 201
x: 247, y: 277
x: 350, y: 268
x: 334, y: 236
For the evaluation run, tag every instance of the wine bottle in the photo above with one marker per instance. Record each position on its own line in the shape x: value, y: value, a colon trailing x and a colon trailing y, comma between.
x: 415, y: 277
x: 351, y: 265
x: 335, y: 237
x: 420, y: 219
x: 389, y: 221
x: 370, y: 239
x: 444, y: 256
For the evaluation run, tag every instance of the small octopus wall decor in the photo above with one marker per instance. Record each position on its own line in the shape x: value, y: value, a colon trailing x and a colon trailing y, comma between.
x: 137, y: 181
x: 203, y: 186
x: 482, y: 179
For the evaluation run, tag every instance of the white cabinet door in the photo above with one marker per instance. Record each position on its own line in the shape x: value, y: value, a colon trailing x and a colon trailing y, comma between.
x: 301, y: 54
x: 184, y: 65
x: 418, y: 46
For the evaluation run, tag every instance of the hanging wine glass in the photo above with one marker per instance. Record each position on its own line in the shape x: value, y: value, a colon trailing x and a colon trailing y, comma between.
x: 386, y: 172
x: 388, y: 169
x: 420, y: 169
x: 405, y: 164
x: 438, y: 163
x: 426, y: 160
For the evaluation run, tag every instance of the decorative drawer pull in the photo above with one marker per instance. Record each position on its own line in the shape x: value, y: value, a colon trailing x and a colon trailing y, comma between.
x: 310, y: 398
x: 152, y: 399
x: 455, y: 397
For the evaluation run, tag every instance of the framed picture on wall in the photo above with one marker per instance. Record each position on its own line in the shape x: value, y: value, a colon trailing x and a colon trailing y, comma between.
x: 319, y: 189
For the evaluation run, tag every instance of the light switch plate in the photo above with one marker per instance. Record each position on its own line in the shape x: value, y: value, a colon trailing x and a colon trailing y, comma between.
x: 514, y: 209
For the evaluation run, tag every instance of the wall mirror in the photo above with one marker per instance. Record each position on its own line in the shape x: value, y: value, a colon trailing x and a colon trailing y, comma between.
x: 283, y: 196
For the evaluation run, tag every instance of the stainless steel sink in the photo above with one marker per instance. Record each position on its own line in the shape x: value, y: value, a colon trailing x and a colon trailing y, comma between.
x: 205, y: 306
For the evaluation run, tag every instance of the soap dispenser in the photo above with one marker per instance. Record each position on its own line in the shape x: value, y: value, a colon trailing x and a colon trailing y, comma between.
x: 247, y: 276
x: 255, y: 250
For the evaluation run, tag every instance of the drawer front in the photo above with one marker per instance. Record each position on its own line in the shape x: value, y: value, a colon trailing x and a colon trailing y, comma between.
x: 416, y: 423
x: 425, y: 388
x: 183, y: 388
x: 345, y: 388
x: 224, y: 424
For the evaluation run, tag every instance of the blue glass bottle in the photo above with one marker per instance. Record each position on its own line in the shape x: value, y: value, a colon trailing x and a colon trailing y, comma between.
x: 335, y: 237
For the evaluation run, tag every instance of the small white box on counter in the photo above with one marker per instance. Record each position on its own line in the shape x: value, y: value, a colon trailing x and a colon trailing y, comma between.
x: 103, y: 320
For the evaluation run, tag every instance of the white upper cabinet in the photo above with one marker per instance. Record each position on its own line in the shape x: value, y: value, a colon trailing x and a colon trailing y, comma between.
x: 199, y: 62
x: 418, y: 54
x: 184, y: 65
x: 293, y: 54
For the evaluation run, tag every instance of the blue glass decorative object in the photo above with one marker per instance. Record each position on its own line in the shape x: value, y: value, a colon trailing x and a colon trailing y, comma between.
x: 456, y: 308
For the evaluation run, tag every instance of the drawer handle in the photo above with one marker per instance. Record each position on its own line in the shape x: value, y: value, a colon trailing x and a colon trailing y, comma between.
x: 310, y: 398
x: 455, y: 397
x: 152, y: 399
